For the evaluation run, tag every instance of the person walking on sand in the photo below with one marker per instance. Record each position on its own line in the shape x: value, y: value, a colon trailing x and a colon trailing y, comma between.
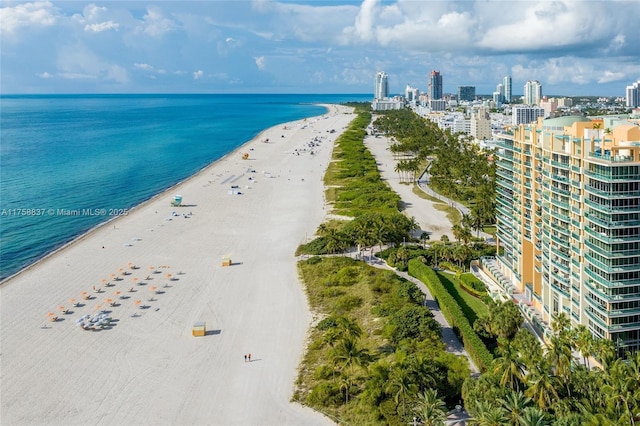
x: 249, y: 357
x: 245, y: 358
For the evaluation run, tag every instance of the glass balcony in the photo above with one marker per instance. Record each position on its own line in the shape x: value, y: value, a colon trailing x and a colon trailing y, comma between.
x: 607, y: 268
x: 608, y: 177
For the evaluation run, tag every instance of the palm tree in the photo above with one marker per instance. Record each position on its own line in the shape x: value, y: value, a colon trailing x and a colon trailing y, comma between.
x: 514, y: 403
x: 346, y: 354
x: 348, y: 328
x: 584, y: 342
x: 533, y: 416
x: 430, y: 409
x: 487, y: 415
x: 401, y: 385
x: 561, y: 358
x: 509, y: 366
x: 541, y: 388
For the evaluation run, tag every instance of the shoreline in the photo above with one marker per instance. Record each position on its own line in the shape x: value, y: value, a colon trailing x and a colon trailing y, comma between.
x: 163, y: 266
x: 88, y: 232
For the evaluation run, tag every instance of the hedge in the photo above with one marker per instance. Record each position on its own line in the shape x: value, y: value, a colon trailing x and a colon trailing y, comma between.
x: 470, y: 284
x: 454, y: 315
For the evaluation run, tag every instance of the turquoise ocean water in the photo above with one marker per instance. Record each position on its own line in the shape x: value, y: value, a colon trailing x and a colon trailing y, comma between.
x: 69, y: 163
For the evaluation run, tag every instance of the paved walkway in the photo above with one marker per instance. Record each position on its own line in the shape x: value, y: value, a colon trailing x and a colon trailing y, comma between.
x: 448, y: 336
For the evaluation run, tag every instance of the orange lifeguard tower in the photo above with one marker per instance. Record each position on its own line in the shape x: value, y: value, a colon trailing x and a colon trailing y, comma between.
x: 226, y: 261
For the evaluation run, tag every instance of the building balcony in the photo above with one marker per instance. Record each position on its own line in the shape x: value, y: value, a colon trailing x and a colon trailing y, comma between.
x: 610, y: 194
x: 606, y: 156
x: 610, y: 240
x: 603, y: 282
x: 610, y: 269
x: 610, y: 253
x: 590, y: 285
x: 608, y: 177
x: 609, y: 224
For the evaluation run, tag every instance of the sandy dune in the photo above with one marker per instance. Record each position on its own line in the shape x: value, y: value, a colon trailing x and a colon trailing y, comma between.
x: 148, y: 368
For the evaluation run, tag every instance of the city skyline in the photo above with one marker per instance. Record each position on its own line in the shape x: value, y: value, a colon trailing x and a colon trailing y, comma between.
x: 293, y: 46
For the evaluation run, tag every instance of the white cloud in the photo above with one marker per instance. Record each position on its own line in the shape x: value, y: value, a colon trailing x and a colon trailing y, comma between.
x: 260, y: 62
x: 27, y: 15
x: 102, y: 26
x: 45, y: 75
x: 609, y: 76
x: 145, y: 67
x: 198, y: 74
x: 155, y: 24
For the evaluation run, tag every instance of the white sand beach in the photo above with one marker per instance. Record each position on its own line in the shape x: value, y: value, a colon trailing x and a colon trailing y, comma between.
x: 145, y: 367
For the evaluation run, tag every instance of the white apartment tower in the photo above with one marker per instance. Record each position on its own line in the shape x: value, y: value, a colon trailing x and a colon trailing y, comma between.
x: 506, y: 83
x: 633, y: 95
x: 532, y: 92
x: 381, y: 87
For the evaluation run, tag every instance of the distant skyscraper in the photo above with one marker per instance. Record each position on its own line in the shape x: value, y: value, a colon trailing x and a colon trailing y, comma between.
x: 532, y: 92
x: 500, y: 90
x: 411, y: 94
x: 506, y: 83
x: 435, y: 85
x: 381, y: 87
x: 466, y: 93
x: 633, y: 95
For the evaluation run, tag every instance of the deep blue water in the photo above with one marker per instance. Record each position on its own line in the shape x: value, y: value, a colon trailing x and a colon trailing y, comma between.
x: 112, y: 152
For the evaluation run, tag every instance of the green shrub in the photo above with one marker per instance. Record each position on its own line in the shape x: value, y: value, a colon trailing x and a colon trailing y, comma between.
x: 323, y: 372
x: 325, y: 394
x: 454, y: 315
x: 346, y: 303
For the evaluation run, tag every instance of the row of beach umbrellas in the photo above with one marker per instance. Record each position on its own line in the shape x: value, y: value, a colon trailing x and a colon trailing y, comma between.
x: 117, y: 295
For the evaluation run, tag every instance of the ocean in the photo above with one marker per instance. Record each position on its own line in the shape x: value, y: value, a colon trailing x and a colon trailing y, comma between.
x: 71, y: 162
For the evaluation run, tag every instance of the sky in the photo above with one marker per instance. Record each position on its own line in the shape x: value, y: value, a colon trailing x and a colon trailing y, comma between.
x: 325, y: 46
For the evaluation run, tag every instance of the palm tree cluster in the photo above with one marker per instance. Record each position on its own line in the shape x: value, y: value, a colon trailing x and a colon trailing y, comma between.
x: 458, y: 168
x: 532, y: 385
x: 373, y: 364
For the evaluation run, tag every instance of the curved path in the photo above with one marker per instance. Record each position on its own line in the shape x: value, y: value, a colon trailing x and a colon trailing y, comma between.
x: 430, y: 219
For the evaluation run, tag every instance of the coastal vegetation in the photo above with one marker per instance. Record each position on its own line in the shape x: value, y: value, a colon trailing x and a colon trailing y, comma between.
x: 375, y: 354
x: 375, y: 349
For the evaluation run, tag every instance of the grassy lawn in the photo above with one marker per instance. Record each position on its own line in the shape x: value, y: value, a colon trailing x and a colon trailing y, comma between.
x: 472, y: 307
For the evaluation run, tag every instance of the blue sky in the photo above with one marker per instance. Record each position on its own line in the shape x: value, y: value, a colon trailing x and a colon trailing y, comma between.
x: 330, y: 46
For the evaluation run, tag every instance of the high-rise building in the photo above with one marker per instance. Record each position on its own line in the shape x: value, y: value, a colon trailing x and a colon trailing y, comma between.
x: 435, y: 85
x: 532, y: 92
x: 633, y: 95
x: 411, y: 94
x: 381, y: 86
x: 524, y: 114
x: 466, y: 93
x: 568, y: 224
x: 500, y: 90
x: 508, y: 93
x: 481, y: 124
